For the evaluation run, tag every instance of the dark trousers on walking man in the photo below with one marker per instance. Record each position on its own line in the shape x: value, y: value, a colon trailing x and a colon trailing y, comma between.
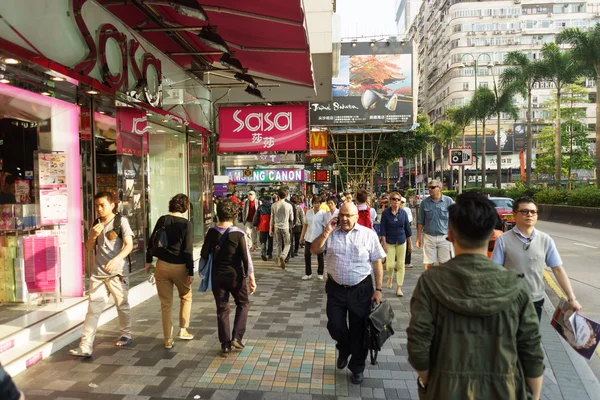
x: 266, y: 242
x: 347, y: 310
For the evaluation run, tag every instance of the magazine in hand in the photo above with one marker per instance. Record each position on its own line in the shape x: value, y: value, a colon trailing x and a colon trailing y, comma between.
x: 580, y: 332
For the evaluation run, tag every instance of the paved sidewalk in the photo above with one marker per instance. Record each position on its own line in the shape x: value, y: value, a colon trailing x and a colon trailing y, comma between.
x: 288, y: 355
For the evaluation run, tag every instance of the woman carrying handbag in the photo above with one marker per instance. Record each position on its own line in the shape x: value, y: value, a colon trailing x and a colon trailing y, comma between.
x: 232, y: 273
x: 172, y: 242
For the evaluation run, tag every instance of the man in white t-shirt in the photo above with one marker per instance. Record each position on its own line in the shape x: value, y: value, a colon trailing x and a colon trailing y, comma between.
x: 315, y: 219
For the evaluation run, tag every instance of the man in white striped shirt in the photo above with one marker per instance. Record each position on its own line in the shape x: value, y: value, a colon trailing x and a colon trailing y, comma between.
x: 353, y: 252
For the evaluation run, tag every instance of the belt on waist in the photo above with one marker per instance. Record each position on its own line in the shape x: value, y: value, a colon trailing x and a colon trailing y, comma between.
x: 346, y: 286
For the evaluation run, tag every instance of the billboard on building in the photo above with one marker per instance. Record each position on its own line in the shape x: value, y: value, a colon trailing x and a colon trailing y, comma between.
x: 246, y: 129
x: 374, y: 86
x: 511, y: 140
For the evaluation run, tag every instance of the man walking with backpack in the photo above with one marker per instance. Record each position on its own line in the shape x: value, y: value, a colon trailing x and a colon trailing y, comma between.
x: 112, y: 239
x: 366, y: 214
x: 262, y: 222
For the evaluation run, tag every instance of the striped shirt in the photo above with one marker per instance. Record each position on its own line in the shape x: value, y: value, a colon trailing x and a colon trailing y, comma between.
x: 350, y: 254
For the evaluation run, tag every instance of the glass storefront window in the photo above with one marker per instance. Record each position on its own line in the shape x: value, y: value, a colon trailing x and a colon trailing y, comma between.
x: 167, y: 169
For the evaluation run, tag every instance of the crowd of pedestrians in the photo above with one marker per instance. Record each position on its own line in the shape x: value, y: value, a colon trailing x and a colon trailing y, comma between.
x: 474, y: 329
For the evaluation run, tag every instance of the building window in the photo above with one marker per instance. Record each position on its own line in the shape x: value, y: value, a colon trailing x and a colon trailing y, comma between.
x: 465, y: 85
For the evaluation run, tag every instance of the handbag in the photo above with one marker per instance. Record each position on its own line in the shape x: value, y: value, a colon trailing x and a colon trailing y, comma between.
x: 379, y: 328
x: 205, y: 266
x: 160, y: 240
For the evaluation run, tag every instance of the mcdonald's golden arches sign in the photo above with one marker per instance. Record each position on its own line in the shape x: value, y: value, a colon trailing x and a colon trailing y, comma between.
x: 318, y: 143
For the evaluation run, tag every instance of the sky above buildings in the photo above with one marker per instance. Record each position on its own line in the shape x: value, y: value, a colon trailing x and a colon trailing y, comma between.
x: 365, y: 19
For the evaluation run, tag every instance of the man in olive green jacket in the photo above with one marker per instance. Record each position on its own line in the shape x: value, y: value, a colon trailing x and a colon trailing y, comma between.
x: 474, y: 332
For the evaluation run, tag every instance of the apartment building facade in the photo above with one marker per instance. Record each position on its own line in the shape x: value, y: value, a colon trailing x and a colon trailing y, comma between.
x: 450, y: 35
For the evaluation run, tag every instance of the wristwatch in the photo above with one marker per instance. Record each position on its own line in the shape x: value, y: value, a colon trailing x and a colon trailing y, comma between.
x: 379, y: 290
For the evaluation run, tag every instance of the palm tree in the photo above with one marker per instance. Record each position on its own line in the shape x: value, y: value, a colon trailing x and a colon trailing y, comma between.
x: 503, y: 103
x: 445, y: 133
x: 584, y: 48
x: 462, y: 117
x: 525, y: 73
x: 561, y: 68
x: 482, y: 104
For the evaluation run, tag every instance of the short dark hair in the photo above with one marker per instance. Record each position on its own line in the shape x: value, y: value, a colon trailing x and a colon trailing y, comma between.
x: 362, y: 196
x: 282, y: 192
x: 318, y: 199
x: 10, y: 179
x: 294, y: 199
x: 227, y: 210
x: 219, y: 197
x: 472, y: 220
x: 179, y: 203
x: 523, y: 200
x: 108, y: 195
x: 332, y: 198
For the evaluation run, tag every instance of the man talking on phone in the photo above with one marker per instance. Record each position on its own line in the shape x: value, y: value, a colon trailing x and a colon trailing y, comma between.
x: 111, y: 238
x: 353, y: 253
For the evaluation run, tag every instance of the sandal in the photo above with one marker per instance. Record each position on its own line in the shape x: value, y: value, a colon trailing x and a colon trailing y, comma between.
x: 79, y: 353
x: 123, y: 341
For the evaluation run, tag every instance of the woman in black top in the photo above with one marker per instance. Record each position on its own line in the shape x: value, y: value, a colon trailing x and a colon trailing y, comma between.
x: 175, y: 266
x: 231, y: 266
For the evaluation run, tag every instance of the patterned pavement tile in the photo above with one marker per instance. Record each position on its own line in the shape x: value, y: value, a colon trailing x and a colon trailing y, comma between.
x: 289, y: 354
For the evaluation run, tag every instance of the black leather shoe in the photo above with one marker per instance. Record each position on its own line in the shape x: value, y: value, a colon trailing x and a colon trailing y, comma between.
x: 357, y: 378
x: 342, y: 361
x: 264, y: 257
x: 237, y: 344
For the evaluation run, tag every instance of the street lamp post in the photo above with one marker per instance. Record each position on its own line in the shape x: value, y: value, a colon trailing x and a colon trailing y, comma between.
x: 476, y: 66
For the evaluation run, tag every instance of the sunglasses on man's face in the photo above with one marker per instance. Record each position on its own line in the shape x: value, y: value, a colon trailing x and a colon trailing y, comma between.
x: 527, y: 212
x: 432, y: 187
x: 394, y: 199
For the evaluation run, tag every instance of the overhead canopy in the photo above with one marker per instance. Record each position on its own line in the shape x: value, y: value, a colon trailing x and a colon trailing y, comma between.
x: 267, y: 37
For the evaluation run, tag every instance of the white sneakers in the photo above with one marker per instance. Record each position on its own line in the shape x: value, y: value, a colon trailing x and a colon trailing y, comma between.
x: 307, y: 277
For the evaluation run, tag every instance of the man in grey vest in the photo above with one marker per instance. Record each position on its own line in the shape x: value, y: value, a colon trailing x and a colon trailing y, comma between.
x: 529, y: 251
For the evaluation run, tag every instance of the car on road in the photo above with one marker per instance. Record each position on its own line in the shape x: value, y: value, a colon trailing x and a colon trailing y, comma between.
x: 504, y: 208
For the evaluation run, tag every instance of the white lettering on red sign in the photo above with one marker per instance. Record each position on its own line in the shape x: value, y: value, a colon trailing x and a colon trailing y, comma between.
x: 263, y: 122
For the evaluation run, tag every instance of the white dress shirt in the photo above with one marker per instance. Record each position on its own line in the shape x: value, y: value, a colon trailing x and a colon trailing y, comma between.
x: 315, y: 224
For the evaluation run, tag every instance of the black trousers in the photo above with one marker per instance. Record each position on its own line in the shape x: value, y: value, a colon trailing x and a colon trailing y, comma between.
x: 347, y: 309
x: 308, y: 260
x: 539, y: 306
x: 222, y: 287
x: 267, y: 243
x: 295, y: 242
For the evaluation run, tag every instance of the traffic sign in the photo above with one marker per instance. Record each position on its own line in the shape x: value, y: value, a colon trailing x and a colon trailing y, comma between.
x: 336, y: 172
x: 460, y: 156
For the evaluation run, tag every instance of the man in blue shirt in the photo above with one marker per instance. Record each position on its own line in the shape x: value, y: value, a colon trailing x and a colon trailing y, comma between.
x: 432, y: 226
x: 529, y: 251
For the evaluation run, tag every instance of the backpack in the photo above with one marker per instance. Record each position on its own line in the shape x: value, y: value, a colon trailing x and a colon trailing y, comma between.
x: 264, y: 222
x: 159, y: 240
x: 118, y: 230
x: 364, y: 218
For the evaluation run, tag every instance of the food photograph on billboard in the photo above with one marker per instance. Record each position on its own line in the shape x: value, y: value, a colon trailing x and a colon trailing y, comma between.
x: 374, y: 86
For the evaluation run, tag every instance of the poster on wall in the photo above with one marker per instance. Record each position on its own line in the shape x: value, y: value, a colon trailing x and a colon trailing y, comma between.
x: 22, y: 191
x: 262, y: 128
x: 52, y: 183
x: 52, y: 170
x: 373, y: 86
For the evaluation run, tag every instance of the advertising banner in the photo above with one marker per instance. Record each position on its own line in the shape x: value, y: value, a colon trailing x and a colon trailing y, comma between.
x: 373, y: 87
x: 262, y: 128
x: 265, y: 175
x: 318, y: 143
x: 512, y: 139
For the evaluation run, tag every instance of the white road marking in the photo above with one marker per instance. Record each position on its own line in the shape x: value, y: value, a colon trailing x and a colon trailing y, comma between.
x: 585, y: 245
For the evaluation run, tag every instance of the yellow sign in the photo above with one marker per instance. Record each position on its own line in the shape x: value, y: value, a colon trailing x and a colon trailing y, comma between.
x: 318, y: 143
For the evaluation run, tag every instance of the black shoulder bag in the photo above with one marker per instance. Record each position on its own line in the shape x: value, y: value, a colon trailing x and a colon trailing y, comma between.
x: 379, y: 328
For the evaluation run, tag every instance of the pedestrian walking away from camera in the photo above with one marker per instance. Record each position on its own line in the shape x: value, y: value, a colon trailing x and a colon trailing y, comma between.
x: 396, y: 240
x: 432, y: 226
x: 282, y: 219
x: 262, y: 222
x: 529, y: 251
x: 353, y: 253
x: 232, y: 273
x: 111, y: 238
x: 316, y: 220
x: 473, y: 332
x: 175, y: 267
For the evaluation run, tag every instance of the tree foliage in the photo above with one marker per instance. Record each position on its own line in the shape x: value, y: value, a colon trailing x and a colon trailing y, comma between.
x: 406, y: 144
